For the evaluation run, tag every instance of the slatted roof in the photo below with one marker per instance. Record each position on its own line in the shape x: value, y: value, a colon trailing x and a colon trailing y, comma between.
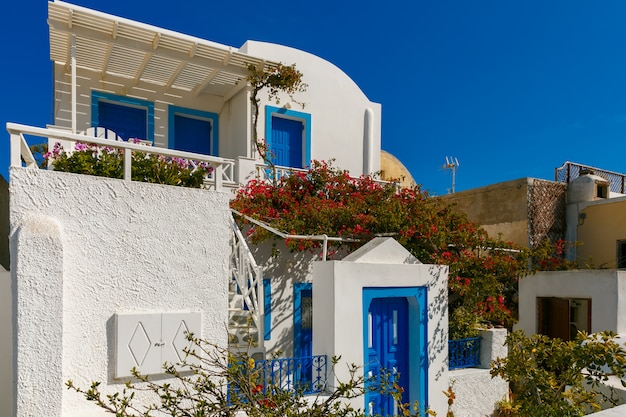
x: 126, y: 51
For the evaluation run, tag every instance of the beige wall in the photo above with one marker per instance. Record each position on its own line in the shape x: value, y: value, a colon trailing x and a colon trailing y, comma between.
x: 500, y: 208
x: 604, y: 224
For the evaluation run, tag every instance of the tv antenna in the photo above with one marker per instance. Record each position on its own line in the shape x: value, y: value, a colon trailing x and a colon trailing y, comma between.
x: 452, y: 164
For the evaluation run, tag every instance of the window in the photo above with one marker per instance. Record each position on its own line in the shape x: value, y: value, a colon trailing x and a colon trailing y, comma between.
x: 288, y: 136
x: 602, y: 190
x: 621, y: 253
x: 126, y: 116
x: 193, y: 130
x: 563, y: 317
x: 267, y: 304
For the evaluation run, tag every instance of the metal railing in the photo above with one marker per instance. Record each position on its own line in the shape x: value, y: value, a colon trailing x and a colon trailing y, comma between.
x: 305, y: 374
x: 464, y: 353
x: 221, y: 175
x: 569, y: 171
x: 269, y: 173
x: 248, y: 277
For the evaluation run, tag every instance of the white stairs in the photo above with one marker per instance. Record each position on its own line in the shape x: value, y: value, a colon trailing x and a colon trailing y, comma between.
x: 245, y: 298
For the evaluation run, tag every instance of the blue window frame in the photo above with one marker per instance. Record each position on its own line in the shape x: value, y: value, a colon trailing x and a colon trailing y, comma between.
x: 193, y: 130
x: 267, y: 304
x: 128, y: 117
x: 303, y: 319
x: 288, y: 136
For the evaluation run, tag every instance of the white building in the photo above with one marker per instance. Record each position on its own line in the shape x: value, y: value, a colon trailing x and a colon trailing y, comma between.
x: 127, y: 262
x: 186, y: 93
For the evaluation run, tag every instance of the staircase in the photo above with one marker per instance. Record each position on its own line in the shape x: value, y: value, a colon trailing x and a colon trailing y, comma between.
x: 245, y: 299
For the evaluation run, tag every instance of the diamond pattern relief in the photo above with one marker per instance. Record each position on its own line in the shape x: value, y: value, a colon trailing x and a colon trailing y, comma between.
x: 139, y: 344
x: 180, y: 340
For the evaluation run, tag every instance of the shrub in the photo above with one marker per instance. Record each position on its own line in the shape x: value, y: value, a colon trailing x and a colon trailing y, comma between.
x: 215, y: 382
x: 104, y: 161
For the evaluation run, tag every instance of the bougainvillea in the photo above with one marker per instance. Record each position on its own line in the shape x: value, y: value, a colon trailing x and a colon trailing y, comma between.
x: 483, y: 272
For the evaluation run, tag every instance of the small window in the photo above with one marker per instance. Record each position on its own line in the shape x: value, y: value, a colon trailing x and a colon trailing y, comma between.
x: 602, y: 190
x: 267, y: 306
x: 621, y: 253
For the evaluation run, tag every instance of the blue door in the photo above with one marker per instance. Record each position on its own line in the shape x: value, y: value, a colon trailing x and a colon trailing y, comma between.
x: 286, y: 142
x: 388, y: 353
x: 303, y: 333
x: 128, y: 122
x: 192, y: 135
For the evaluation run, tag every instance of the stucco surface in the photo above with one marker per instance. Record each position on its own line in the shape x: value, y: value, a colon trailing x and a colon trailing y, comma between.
x: 86, y: 248
x: 6, y: 345
x: 476, y: 392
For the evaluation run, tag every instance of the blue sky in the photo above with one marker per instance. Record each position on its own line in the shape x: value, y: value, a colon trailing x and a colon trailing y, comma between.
x: 510, y: 88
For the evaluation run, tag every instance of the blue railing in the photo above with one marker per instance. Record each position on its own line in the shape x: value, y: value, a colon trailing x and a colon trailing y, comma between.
x: 306, y: 374
x: 464, y: 353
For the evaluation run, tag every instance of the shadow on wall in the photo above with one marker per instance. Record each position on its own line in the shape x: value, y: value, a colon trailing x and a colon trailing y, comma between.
x: 285, y: 269
x: 439, y: 342
x: 4, y: 223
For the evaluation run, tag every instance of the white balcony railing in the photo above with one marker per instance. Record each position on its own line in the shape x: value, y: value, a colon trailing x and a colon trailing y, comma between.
x: 222, y: 175
x: 268, y: 173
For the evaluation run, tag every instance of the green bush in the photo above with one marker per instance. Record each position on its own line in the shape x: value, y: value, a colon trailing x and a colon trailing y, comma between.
x: 104, y: 161
x: 211, y: 381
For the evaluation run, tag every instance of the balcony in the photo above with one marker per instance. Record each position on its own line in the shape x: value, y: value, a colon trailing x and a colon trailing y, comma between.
x: 221, y: 175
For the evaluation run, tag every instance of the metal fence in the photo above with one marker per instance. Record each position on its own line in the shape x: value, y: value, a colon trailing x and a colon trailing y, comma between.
x: 306, y: 374
x: 569, y: 171
x: 464, y: 353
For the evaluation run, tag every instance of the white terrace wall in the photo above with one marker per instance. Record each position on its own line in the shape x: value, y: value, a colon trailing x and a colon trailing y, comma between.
x: 6, y: 345
x: 85, y: 248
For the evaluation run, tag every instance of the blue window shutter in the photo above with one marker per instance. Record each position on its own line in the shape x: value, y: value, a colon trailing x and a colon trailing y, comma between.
x: 192, y: 135
x: 128, y: 122
x: 267, y: 303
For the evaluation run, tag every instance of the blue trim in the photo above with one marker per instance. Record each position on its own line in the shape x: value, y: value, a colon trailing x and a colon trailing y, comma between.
x: 267, y: 305
x: 304, y: 117
x: 418, y: 340
x: 96, y: 96
x: 172, y: 111
x: 297, y: 315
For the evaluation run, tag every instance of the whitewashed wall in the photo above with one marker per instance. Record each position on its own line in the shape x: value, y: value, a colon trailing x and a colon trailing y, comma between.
x: 337, y: 106
x: 6, y: 345
x: 84, y: 248
x: 605, y: 287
